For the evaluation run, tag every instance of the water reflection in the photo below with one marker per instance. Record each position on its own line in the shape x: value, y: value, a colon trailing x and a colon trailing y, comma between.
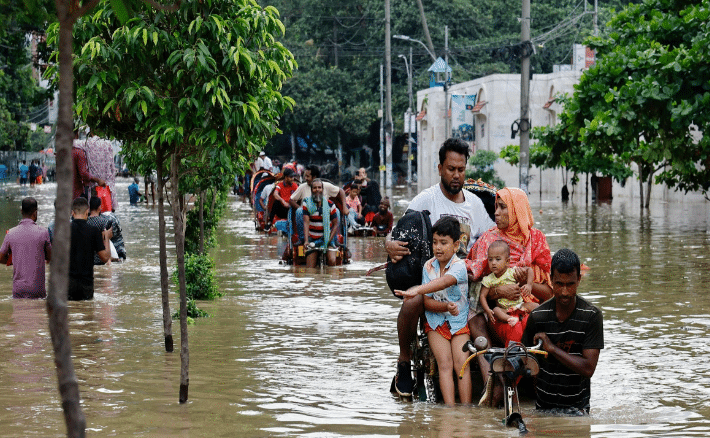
x: 311, y: 352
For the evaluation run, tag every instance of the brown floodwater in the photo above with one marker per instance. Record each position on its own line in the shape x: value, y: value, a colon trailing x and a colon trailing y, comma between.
x: 298, y: 352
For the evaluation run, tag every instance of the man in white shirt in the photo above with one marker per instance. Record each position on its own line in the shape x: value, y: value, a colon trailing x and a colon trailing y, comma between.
x: 264, y: 198
x: 304, y: 191
x: 263, y: 162
x: 447, y: 198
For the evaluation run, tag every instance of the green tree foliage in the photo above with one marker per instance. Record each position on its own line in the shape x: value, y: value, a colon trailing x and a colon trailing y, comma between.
x: 192, y: 312
x: 339, y: 47
x: 647, y: 97
x: 321, y: 103
x: 558, y: 146
x: 21, y: 99
x: 200, y: 87
x: 204, y: 78
x: 482, y: 168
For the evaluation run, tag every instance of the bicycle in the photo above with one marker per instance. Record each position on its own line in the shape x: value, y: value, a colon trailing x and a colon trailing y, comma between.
x: 509, y: 364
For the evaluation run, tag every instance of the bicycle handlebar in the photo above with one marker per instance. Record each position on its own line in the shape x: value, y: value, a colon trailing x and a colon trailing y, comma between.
x: 468, y: 346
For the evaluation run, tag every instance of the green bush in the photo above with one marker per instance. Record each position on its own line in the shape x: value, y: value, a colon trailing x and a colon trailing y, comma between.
x: 199, y: 277
x: 192, y: 312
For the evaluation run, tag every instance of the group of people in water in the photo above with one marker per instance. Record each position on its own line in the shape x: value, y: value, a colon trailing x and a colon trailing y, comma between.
x: 96, y: 234
x: 496, y: 280
x: 35, y: 173
x: 319, y: 211
x: 492, y: 275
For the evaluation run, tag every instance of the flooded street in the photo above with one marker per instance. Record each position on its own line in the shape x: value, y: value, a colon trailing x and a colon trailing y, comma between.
x: 310, y: 352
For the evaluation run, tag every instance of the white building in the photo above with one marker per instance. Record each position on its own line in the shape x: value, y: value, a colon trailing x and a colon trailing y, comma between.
x: 490, y: 108
x: 496, y: 107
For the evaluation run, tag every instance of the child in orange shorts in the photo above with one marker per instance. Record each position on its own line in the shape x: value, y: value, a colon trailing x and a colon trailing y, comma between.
x: 445, y: 284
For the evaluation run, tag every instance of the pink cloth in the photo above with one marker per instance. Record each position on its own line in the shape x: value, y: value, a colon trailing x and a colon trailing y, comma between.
x: 353, y: 204
x: 27, y: 242
x: 506, y: 333
x: 100, y: 156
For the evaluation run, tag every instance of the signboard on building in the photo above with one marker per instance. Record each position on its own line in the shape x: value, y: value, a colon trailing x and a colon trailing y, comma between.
x: 410, y: 123
x: 462, y: 116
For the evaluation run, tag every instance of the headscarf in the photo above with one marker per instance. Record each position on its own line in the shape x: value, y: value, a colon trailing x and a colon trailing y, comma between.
x: 520, y: 219
x: 528, y: 246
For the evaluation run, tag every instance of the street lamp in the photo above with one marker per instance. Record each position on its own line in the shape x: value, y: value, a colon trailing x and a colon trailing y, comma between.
x: 409, y: 79
x: 408, y: 115
x: 406, y: 38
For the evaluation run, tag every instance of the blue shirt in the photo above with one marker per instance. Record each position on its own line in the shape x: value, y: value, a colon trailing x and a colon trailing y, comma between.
x: 23, y: 171
x: 133, y: 193
x: 458, y: 293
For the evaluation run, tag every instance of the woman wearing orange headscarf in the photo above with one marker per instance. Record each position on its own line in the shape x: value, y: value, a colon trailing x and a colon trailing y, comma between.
x: 528, y: 247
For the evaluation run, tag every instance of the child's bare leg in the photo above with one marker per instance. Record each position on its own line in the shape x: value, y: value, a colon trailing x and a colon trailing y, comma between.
x: 442, y: 352
x: 529, y: 307
x: 503, y: 316
x: 460, y: 357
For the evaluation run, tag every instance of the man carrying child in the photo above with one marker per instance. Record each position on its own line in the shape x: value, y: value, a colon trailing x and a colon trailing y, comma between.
x: 447, y: 198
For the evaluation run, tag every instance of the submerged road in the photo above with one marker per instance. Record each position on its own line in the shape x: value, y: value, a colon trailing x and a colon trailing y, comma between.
x: 298, y: 352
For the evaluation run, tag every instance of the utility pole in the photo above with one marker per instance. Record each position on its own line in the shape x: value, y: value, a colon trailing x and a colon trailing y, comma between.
x: 446, y: 45
x: 425, y: 28
x: 335, y: 42
x: 412, y: 125
x: 293, y: 146
x: 447, y: 130
x: 382, y: 128
x: 525, y: 97
x: 340, y: 158
x: 388, y: 101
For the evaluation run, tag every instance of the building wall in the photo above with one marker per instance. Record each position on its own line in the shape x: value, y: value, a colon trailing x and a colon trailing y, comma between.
x: 493, y: 131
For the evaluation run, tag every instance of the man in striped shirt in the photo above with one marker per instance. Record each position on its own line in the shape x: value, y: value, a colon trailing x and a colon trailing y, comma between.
x: 316, y: 210
x: 571, y: 331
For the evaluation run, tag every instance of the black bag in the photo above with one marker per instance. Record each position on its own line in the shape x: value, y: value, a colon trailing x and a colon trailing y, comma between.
x: 414, y: 227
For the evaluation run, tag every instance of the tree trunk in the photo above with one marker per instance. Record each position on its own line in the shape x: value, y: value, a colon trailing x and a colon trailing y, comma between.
x: 214, y: 202
x: 202, y: 222
x: 425, y: 27
x: 641, y: 186
x: 59, y: 268
x: 649, y: 185
x: 164, y: 283
x: 178, y: 221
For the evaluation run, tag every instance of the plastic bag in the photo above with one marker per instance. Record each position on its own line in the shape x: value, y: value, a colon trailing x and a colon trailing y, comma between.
x: 104, y: 193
